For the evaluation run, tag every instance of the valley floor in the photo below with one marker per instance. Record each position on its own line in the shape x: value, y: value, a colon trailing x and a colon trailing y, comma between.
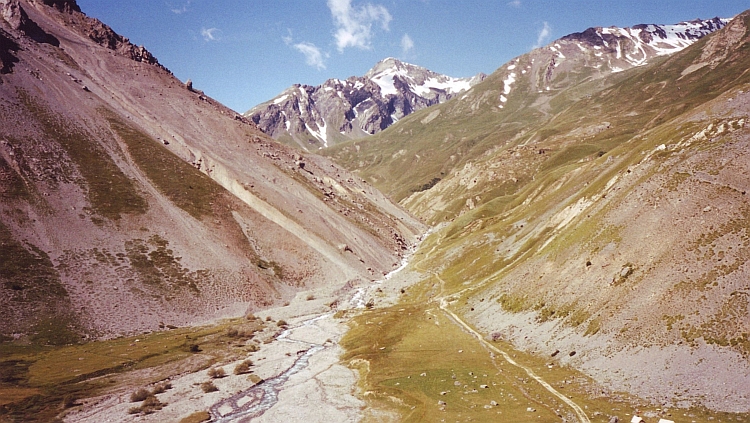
x: 394, y: 350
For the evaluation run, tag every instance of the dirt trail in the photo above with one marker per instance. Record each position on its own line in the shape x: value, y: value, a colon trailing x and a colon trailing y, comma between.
x: 578, y: 410
x: 443, y: 304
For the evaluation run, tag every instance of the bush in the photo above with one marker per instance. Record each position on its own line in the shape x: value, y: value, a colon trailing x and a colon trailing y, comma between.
x: 139, y: 395
x: 281, y: 323
x: 150, y: 405
x: 310, y: 297
x: 208, y: 386
x: 161, y: 388
x: 216, y: 372
x: 243, y: 367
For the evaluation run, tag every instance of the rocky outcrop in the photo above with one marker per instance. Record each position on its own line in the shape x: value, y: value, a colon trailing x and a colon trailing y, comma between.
x: 63, y: 5
x: 339, y: 110
x: 18, y: 20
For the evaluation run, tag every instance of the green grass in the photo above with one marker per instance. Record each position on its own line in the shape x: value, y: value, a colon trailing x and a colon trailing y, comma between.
x: 35, y: 293
x: 37, y: 380
x: 186, y: 186
x: 111, y: 193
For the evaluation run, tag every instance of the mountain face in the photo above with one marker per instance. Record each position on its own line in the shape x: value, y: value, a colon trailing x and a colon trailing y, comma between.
x: 528, y: 89
x: 339, y: 110
x: 131, y: 201
x: 592, y: 198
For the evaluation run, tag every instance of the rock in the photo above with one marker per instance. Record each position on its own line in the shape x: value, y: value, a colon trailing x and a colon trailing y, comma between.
x: 189, y: 85
x: 63, y: 5
x: 531, y: 410
x: 13, y: 13
x: 572, y: 353
x: 614, y: 419
x: 555, y: 353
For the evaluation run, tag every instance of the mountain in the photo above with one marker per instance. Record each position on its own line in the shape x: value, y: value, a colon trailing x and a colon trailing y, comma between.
x: 590, y: 202
x: 131, y: 201
x: 338, y: 110
x: 516, y: 98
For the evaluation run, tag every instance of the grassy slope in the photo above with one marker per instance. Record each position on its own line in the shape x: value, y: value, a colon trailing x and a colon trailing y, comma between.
x: 625, y: 255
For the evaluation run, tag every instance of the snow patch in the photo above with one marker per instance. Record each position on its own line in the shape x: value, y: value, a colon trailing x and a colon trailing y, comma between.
x: 281, y: 99
x: 320, y: 134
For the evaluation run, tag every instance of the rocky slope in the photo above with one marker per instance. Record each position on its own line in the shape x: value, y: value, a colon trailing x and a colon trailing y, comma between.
x: 339, y: 110
x: 131, y: 201
x: 519, y: 96
x: 595, y: 213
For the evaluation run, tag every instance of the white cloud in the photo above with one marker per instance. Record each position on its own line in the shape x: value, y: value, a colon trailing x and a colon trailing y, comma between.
x: 354, y: 23
x: 515, y: 3
x: 211, y: 34
x: 407, y: 44
x: 543, y: 35
x: 287, y: 38
x: 182, y: 9
x: 313, y: 55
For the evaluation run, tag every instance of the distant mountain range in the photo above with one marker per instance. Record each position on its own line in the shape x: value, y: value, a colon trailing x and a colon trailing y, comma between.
x: 315, y: 117
x: 339, y: 110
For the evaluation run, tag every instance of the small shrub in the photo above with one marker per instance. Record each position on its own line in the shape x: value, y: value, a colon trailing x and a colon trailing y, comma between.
x: 150, y: 405
x: 243, y: 367
x: 139, y: 395
x: 253, y: 347
x: 216, y: 373
x: 255, y: 378
x: 281, y: 323
x: 268, y: 318
x: 208, y: 386
x: 232, y: 332
x: 194, y: 348
x: 251, y: 317
x: 310, y: 297
x: 161, y: 388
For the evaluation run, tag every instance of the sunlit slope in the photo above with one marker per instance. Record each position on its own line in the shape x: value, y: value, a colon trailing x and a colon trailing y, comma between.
x: 538, y: 111
x: 634, y: 234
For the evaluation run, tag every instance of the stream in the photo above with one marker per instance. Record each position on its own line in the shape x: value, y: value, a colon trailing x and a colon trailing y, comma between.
x: 251, y: 403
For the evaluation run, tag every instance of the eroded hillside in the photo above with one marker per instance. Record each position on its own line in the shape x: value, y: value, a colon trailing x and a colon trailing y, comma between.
x: 131, y: 201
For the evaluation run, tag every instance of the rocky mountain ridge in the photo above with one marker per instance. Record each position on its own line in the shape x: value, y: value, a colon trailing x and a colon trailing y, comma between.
x: 338, y: 110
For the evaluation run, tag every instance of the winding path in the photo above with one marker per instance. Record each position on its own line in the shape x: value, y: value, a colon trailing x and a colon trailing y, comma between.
x: 576, y: 408
x: 443, y: 304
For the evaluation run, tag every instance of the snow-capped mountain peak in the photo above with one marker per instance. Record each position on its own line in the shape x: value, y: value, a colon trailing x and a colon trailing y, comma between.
x: 338, y: 110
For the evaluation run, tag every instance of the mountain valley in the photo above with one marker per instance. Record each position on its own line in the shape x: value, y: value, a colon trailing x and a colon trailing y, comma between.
x: 565, y: 239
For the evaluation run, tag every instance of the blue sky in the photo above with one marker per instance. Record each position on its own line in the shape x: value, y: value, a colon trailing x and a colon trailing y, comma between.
x: 244, y: 52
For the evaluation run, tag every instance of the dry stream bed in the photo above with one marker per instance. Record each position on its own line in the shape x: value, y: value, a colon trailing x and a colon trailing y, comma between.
x: 406, y: 357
